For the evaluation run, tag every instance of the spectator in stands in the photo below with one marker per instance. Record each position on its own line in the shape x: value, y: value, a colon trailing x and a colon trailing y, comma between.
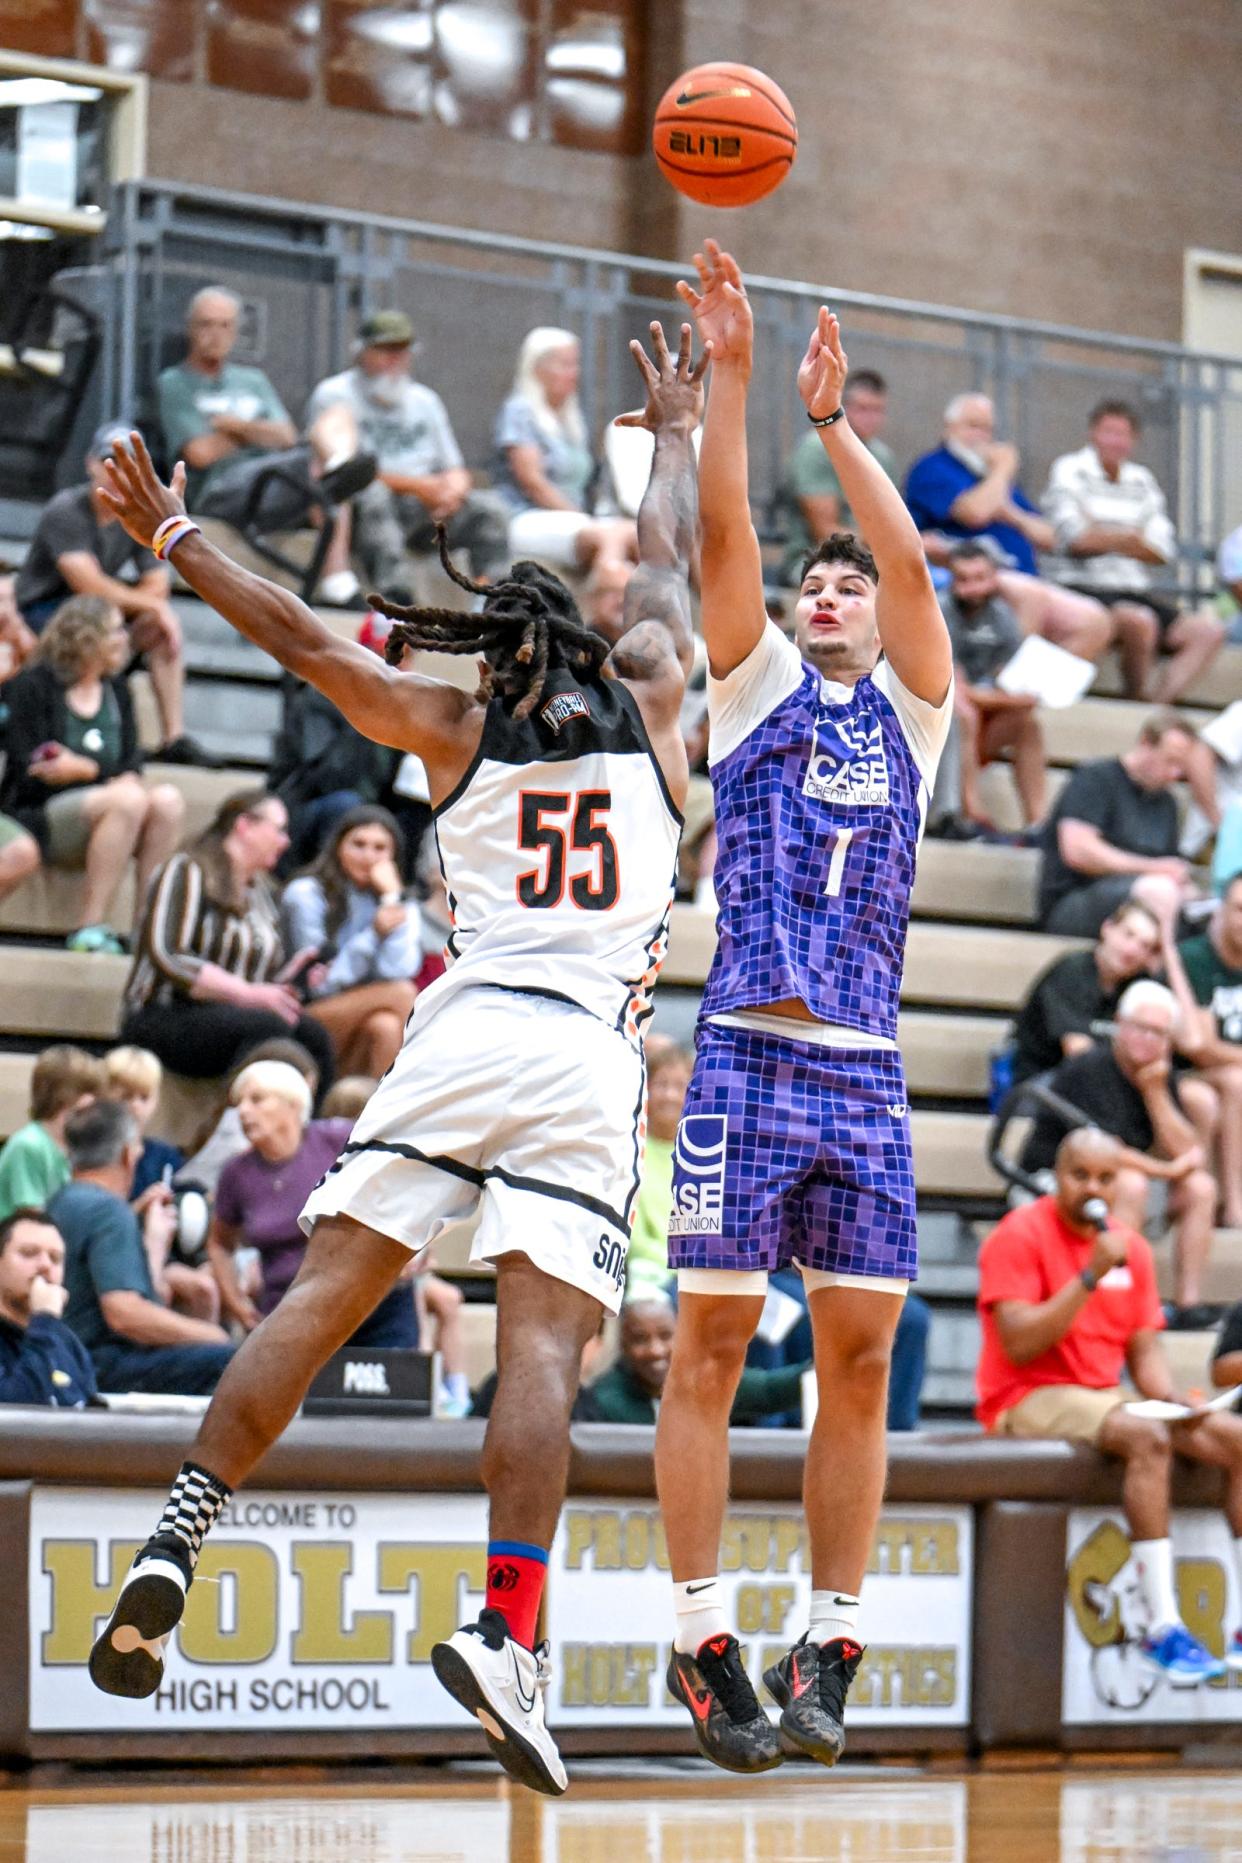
x: 231, y: 428
x: 986, y: 634
x: 348, y: 1096
x: 137, y: 1343
x: 1205, y: 973
x: 1083, y: 988
x: 545, y: 467
x: 603, y: 597
x: 17, y: 641
x: 1113, y: 833
x: 647, y: 1270
x: 133, y: 1077
x: 1066, y: 1302
x: 261, y: 1193
x: 351, y: 911
x: 631, y: 1389
x: 422, y: 478
x: 74, y: 773
x: 220, y: 1137
x: 1109, y: 516
x: 1214, y: 773
x: 1229, y: 575
x: 34, y: 1163
x: 209, y: 979
x: 322, y: 768
x: 811, y: 498
x: 968, y: 486
x: 41, y: 1360
x: 967, y: 489
x: 1227, y: 1354
x: 80, y: 548
x: 1126, y: 1087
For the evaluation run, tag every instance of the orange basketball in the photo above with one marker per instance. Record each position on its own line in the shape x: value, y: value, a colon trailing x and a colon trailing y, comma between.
x: 725, y: 135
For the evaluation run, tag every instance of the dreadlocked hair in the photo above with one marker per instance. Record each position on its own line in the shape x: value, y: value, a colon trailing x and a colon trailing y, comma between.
x: 529, y: 622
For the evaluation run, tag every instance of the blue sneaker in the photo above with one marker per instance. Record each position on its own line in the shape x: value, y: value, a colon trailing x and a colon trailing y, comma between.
x: 1175, y: 1653
x: 1233, y: 1651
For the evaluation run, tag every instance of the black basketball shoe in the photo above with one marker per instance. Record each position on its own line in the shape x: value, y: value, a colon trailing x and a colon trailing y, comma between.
x: 729, y: 1725
x: 811, y: 1684
x: 128, y: 1657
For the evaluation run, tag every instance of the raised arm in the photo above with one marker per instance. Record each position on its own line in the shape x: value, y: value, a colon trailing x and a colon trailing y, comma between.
x: 387, y: 706
x: 912, y: 629
x: 659, y: 589
x: 731, y: 569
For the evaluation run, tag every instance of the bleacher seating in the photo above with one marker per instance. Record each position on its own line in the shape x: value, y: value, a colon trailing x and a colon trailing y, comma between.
x: 973, y: 952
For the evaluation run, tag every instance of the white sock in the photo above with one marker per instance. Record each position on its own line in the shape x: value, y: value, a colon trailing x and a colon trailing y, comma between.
x: 700, y: 1614
x: 1154, y: 1560
x: 833, y: 1614
x: 457, y: 1385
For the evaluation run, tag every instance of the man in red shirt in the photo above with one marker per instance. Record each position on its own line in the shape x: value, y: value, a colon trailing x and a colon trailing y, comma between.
x: 1067, y: 1300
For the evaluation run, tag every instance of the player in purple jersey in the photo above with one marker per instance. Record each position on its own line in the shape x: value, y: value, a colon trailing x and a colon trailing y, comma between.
x: 795, y: 1141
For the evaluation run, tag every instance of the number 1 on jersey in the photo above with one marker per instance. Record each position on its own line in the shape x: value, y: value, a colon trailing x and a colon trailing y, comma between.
x: 836, y: 865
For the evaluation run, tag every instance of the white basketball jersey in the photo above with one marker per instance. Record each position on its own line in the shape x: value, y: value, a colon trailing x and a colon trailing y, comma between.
x: 559, y: 850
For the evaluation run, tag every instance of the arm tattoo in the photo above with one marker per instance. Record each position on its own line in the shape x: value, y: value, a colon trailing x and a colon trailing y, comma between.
x: 642, y: 652
x: 659, y: 590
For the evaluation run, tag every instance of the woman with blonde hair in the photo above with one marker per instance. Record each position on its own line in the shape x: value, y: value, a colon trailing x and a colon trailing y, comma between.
x: 261, y: 1193
x: 74, y: 772
x: 545, y: 466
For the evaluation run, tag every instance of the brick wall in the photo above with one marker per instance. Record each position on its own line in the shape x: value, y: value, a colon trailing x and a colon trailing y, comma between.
x: 1047, y: 158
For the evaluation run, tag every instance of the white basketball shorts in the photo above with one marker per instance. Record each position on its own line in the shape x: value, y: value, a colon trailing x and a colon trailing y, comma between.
x: 523, y: 1107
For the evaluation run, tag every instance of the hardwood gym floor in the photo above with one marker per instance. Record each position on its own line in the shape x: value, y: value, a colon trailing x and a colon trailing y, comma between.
x: 634, y: 1813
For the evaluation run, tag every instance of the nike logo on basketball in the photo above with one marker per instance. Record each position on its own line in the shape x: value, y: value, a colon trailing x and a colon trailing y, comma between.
x: 692, y: 97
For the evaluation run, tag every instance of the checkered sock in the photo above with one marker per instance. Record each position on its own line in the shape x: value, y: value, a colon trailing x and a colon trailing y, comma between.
x: 192, y: 1508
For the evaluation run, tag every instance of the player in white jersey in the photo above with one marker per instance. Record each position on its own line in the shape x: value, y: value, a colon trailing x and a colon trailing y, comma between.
x: 556, y: 792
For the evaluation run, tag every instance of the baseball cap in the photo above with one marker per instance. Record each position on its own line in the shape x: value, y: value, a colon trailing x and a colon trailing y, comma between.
x: 106, y: 437
x: 386, y: 329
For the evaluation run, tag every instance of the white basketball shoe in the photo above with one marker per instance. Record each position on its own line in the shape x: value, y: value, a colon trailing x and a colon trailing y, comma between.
x: 502, y: 1684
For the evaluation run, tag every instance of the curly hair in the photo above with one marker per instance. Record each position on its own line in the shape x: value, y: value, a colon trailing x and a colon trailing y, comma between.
x: 528, y: 624
x: 75, y: 635
x: 842, y: 547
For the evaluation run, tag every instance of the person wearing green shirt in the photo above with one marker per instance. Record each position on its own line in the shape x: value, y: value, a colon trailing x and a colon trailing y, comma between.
x: 811, y: 498
x: 1211, y: 1036
x: 229, y: 425
x: 647, y: 1270
x: 34, y: 1164
x: 630, y: 1391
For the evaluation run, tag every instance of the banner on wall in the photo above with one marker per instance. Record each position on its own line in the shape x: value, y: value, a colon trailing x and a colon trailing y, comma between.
x: 320, y: 1611
x: 313, y: 1611
x: 1105, y: 1679
x: 610, y: 1612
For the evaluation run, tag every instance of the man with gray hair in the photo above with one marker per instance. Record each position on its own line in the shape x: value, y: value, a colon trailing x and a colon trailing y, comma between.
x: 422, y: 478
x: 1126, y: 1087
x: 229, y: 425
x: 136, y: 1343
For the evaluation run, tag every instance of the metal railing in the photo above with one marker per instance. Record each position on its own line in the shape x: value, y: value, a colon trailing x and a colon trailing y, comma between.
x: 306, y: 275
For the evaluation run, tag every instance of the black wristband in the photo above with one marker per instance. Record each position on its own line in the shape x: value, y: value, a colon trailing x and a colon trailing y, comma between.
x: 1090, y: 1279
x: 825, y: 420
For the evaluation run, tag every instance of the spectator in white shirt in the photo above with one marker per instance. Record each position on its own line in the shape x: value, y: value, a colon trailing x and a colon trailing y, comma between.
x: 1111, y: 520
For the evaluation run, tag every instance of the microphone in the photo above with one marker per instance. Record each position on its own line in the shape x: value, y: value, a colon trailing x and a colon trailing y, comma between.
x: 1095, y: 1212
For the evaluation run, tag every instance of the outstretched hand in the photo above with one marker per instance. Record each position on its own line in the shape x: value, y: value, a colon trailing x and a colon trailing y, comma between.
x: 821, y: 377
x: 134, y: 491
x: 674, y: 389
x: 721, y: 307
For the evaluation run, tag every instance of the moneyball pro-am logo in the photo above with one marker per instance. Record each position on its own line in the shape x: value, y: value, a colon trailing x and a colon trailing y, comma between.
x: 699, y: 1175
x: 847, y: 762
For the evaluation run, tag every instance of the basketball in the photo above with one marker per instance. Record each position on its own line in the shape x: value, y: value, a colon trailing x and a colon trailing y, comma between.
x: 725, y: 135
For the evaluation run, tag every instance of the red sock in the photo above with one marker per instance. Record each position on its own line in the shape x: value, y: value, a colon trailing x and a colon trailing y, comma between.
x: 515, y: 1575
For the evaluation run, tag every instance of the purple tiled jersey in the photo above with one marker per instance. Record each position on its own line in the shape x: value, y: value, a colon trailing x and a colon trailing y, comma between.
x: 821, y: 794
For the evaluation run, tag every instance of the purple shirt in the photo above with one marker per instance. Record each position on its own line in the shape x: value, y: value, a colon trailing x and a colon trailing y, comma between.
x: 265, y: 1200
